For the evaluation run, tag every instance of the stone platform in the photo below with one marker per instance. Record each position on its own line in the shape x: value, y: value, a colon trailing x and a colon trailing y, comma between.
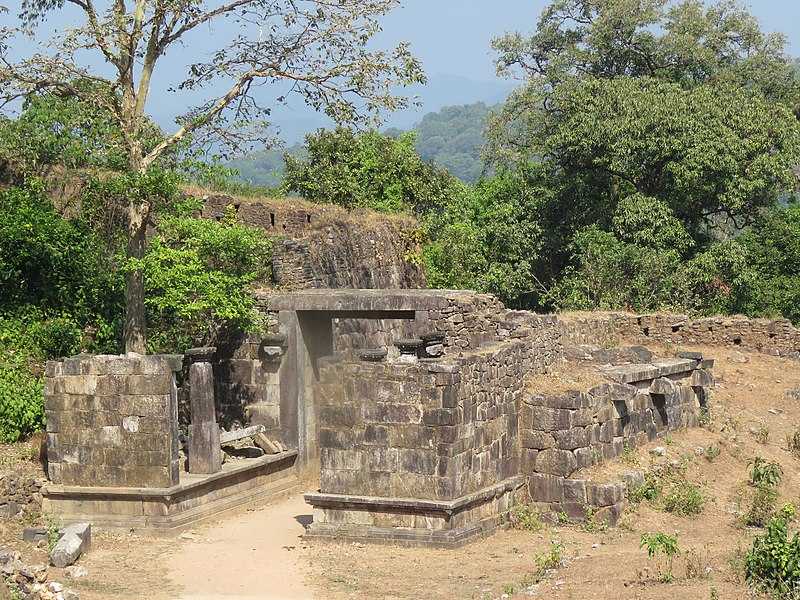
x: 410, y: 521
x: 164, y: 511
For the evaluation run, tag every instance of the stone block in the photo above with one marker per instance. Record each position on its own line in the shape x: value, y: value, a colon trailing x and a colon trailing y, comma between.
x: 610, y: 514
x: 341, y: 460
x: 376, y: 435
x: 34, y: 535
x: 528, y: 460
x: 575, y: 491
x: 421, y: 462
x: 549, y: 419
x: 702, y: 378
x: 663, y: 387
x: 204, y: 452
x: 383, y: 412
x: 556, y: 462
x: 412, y: 436
x: 66, y: 551
x: 342, y: 415
x: 441, y: 416
x: 599, y: 494
x: 382, y: 459
x: 587, y: 457
x: 570, y: 439
x: 538, y: 440
x: 546, y: 488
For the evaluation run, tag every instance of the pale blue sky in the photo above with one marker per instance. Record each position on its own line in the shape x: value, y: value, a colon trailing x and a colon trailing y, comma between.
x: 451, y: 37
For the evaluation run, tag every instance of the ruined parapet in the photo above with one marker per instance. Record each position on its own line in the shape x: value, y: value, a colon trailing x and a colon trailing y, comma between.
x: 777, y: 337
x: 421, y: 452
x: 565, y: 432
x: 112, y: 421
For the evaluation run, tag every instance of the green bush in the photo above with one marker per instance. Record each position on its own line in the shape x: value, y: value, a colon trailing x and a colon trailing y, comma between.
x: 367, y: 170
x: 764, y: 472
x: 762, y: 507
x: 198, y: 276
x: 684, y: 499
x: 773, y: 562
x: 58, y: 265
x: 21, y: 402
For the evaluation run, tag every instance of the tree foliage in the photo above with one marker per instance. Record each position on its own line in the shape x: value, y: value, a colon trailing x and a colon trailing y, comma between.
x: 367, y: 170
x: 662, y: 131
x: 488, y: 239
x: 199, y: 275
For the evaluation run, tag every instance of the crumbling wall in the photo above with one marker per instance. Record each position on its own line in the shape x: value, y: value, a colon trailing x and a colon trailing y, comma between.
x: 562, y: 433
x: 112, y: 421
x: 436, y: 429
x: 325, y: 246
x: 772, y: 336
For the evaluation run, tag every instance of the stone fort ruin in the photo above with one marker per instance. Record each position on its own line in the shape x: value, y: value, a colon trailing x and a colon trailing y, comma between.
x: 426, y: 414
x: 426, y: 430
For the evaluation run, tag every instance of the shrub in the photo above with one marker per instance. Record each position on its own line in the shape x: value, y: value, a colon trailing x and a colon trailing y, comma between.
x: 765, y: 473
x: 711, y: 452
x: 793, y: 443
x: 526, y: 518
x: 762, y: 507
x: 658, y: 544
x: 650, y: 490
x: 684, y: 499
x: 773, y: 562
x: 21, y: 402
x: 51, y: 262
x: 762, y: 434
x: 552, y: 559
x: 369, y: 170
x: 198, y: 275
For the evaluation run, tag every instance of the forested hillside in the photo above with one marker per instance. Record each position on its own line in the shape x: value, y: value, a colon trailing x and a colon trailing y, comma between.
x: 452, y: 138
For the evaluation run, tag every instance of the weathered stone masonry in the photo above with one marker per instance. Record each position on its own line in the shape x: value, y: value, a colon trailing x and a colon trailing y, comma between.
x: 112, y: 421
x: 563, y: 433
x: 772, y: 336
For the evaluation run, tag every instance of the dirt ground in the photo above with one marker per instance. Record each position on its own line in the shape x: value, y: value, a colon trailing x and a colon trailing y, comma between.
x: 259, y: 553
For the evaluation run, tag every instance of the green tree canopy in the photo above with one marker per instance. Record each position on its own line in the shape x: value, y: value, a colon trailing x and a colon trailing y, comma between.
x: 368, y: 170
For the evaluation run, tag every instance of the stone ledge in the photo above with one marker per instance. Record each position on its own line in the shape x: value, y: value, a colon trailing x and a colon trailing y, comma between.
x: 403, y: 537
x: 190, y: 483
x: 166, y: 511
x: 645, y: 372
x: 412, y: 521
x: 441, y: 506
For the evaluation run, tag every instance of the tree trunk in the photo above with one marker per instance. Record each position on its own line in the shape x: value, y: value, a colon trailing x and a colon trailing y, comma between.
x: 134, y: 333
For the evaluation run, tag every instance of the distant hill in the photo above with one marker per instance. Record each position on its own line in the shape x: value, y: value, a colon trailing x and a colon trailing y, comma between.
x: 451, y: 137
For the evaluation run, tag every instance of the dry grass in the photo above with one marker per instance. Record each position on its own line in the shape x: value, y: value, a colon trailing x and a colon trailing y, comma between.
x: 566, y: 377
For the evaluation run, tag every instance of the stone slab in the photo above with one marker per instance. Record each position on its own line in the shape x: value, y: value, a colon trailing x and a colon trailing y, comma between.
x: 165, y: 511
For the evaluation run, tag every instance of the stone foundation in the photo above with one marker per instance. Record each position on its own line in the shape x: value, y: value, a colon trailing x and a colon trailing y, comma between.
x: 413, y: 522
x: 164, y: 511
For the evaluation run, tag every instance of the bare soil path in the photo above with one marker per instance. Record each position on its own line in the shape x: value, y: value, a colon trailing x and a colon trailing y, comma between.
x: 255, y: 555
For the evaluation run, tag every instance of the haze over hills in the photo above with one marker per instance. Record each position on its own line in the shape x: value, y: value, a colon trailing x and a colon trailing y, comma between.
x: 450, y: 133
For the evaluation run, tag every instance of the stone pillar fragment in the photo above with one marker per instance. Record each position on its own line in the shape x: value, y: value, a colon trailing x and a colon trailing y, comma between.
x: 205, y: 454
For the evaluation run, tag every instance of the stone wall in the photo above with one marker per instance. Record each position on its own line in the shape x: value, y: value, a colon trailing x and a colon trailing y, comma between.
x: 112, y: 421
x: 772, y: 336
x: 435, y: 429
x: 565, y: 432
x: 325, y: 246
